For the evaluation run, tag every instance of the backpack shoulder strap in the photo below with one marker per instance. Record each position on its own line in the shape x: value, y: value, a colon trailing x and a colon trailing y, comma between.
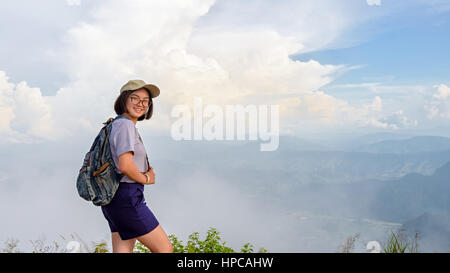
x: 113, y: 119
x: 146, y: 157
x: 108, y: 121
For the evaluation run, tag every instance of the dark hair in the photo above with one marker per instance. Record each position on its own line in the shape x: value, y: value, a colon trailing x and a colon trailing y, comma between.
x: 120, y: 106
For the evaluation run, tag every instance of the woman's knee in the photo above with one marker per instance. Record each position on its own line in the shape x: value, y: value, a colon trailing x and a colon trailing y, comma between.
x: 161, y: 247
x: 157, y: 241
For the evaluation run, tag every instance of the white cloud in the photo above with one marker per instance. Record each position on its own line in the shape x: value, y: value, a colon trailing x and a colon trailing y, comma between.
x: 160, y: 44
x: 443, y: 93
x: 373, y: 2
x: 395, y: 121
x: 318, y: 109
x: 195, y: 48
x: 372, y: 115
x: 439, y: 104
x: 25, y: 116
x: 376, y: 104
x: 314, y: 24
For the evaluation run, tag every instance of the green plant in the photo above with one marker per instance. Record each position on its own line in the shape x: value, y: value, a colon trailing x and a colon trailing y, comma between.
x: 39, y: 246
x: 177, y: 245
x: 101, y: 248
x: 211, y: 244
x: 397, y: 243
x: 247, y: 248
x: 263, y: 250
x: 11, y: 246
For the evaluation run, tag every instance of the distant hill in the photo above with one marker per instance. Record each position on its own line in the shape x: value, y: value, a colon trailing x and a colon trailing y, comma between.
x: 433, y: 229
x: 411, y: 145
x: 293, y: 143
x: 412, y: 195
x: 368, y: 139
x: 297, y: 161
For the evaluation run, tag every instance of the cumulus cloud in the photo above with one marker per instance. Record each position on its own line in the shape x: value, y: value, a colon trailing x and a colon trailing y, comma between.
x: 395, y: 121
x: 339, y: 113
x: 194, y: 49
x: 25, y: 116
x: 372, y: 115
x: 167, y: 50
x: 313, y: 24
x: 376, y: 104
x: 439, y: 104
x: 443, y: 92
x: 317, y: 109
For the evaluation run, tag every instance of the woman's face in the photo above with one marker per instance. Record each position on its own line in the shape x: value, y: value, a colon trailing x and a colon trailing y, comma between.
x: 142, y: 99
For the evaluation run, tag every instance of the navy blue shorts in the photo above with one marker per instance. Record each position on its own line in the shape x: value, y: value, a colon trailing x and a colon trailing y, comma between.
x: 128, y: 214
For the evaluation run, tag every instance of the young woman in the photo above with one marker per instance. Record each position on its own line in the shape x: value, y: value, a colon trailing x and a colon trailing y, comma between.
x: 128, y: 216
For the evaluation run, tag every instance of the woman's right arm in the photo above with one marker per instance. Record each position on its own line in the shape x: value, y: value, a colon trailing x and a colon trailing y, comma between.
x: 127, y: 167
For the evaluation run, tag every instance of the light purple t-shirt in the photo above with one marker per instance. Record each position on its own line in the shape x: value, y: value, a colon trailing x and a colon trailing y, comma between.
x: 123, y: 138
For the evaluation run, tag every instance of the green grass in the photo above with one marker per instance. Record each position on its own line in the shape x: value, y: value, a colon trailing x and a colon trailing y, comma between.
x: 398, y: 244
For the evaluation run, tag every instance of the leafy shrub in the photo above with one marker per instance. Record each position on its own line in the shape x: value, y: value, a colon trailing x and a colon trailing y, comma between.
x: 211, y: 244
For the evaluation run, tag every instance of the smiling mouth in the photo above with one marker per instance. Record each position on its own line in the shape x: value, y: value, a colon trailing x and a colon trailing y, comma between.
x: 138, y: 110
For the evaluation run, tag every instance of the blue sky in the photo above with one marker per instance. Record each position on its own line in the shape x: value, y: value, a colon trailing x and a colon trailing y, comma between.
x: 408, y: 49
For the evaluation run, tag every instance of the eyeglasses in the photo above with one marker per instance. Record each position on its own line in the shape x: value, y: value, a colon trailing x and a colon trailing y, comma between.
x: 136, y: 100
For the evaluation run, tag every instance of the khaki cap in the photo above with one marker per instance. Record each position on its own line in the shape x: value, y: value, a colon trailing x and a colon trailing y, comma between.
x: 138, y: 84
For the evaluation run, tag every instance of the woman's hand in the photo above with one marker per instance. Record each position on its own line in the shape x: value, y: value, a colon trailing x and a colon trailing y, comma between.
x: 152, y: 175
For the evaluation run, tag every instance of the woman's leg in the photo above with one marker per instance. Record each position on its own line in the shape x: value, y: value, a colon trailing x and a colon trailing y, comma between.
x: 156, y: 241
x: 122, y: 246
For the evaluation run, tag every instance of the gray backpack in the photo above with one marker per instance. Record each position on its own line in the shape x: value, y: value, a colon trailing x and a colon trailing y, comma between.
x: 98, y: 179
